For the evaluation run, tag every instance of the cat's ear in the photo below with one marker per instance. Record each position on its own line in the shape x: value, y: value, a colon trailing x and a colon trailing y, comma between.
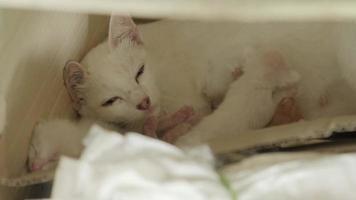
x: 122, y: 28
x: 73, y: 76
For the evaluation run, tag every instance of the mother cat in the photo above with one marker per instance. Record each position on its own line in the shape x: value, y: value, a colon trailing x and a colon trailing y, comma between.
x: 322, y: 53
x: 176, y: 63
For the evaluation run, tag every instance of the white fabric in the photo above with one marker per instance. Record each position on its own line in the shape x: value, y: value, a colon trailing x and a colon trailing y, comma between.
x: 136, y: 167
x: 326, y: 178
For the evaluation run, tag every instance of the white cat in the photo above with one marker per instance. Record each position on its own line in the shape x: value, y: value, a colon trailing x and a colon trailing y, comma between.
x: 127, y: 79
x: 184, y: 52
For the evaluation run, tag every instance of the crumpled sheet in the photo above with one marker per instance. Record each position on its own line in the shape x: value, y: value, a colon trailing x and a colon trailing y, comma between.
x: 135, y: 167
x: 324, y: 177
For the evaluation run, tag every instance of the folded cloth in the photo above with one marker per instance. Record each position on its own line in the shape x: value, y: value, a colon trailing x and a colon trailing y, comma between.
x: 326, y: 177
x: 136, y: 167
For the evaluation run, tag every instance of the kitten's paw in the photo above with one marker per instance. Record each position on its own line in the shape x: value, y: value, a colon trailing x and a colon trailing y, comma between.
x: 323, y: 101
x: 287, y: 111
x: 150, y: 126
x: 43, y: 163
x: 172, y: 135
x: 237, y: 73
x: 184, y: 114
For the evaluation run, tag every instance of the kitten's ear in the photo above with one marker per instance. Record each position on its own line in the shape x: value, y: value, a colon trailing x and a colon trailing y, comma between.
x: 73, y: 76
x: 122, y: 28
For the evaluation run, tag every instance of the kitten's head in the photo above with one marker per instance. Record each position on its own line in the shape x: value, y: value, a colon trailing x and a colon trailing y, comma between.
x: 112, y: 83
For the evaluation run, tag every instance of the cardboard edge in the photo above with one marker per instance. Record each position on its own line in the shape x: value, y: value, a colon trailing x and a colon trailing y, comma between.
x: 295, y: 134
x: 28, y: 179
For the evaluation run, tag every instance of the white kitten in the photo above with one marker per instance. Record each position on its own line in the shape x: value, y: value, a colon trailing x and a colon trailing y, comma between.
x: 185, y: 52
x: 251, y: 100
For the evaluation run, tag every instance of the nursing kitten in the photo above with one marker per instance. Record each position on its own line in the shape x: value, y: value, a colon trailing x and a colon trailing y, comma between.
x: 186, y: 52
x: 265, y: 81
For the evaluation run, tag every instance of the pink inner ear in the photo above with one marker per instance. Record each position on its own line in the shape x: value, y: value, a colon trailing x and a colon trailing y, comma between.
x: 135, y: 36
x: 73, y: 75
x: 122, y: 27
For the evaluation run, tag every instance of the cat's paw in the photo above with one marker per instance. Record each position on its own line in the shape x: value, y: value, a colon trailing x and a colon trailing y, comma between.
x: 182, y: 128
x: 172, y: 135
x: 47, y: 142
x: 150, y: 126
x: 39, y: 164
x: 237, y: 73
x: 287, y: 111
x: 182, y: 115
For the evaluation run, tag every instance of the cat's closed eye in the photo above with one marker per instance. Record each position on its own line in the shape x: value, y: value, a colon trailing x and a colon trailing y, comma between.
x: 110, y: 101
x: 139, y: 73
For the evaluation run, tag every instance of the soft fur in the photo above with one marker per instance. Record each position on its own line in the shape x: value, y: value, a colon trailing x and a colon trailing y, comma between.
x: 187, y: 51
x: 109, y: 70
x: 193, y: 64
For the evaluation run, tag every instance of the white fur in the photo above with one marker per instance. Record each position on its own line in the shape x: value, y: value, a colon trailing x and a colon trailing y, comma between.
x: 113, y: 74
x: 182, y: 52
x: 249, y: 103
x: 181, y: 57
x: 54, y: 138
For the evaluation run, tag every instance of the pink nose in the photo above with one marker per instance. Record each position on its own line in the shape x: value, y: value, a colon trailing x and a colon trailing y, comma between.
x: 145, y: 104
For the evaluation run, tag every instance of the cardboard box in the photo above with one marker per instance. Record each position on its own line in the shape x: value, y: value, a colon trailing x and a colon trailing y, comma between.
x: 36, y: 44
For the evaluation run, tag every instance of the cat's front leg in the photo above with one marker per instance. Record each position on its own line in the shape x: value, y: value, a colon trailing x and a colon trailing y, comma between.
x: 176, y: 132
x: 173, y: 126
x: 155, y: 125
x: 182, y: 115
x: 150, y: 126
x: 180, y: 129
x: 53, y: 138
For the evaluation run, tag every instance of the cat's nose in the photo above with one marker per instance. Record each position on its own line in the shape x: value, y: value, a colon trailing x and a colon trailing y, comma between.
x: 145, y: 104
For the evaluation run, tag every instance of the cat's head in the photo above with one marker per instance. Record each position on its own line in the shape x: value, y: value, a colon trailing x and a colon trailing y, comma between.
x: 113, y: 82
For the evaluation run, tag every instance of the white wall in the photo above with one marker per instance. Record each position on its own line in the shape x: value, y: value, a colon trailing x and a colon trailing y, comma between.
x: 34, y: 47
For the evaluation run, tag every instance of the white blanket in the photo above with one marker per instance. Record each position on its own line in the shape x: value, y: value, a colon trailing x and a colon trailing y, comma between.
x: 319, y: 177
x: 136, y: 167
